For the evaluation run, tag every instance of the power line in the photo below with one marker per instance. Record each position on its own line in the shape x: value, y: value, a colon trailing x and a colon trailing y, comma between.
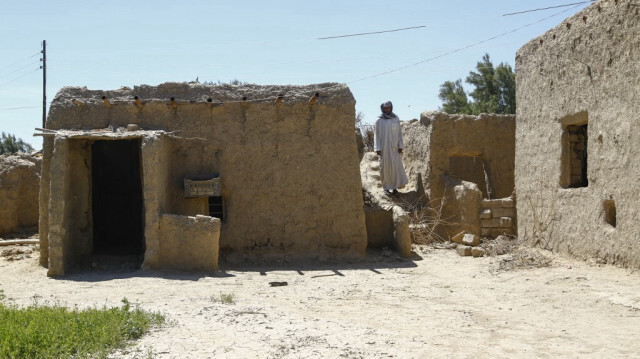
x: 414, y: 64
x: 460, y: 49
x: 547, y: 8
x: 372, y: 33
x: 23, y: 67
x: 435, y: 57
x: 19, y: 77
x: 17, y: 62
x: 423, y: 26
x: 18, y: 108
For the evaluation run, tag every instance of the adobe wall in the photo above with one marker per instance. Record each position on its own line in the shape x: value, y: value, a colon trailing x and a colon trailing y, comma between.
x: 289, y: 170
x: 19, y: 187
x: 582, y: 75
x: 445, y: 153
x: 189, y: 243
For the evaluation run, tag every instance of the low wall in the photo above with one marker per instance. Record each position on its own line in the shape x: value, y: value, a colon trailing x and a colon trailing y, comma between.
x: 498, y: 217
x: 189, y: 243
x: 19, y: 191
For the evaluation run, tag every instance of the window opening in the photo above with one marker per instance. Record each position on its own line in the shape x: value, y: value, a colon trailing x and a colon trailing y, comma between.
x: 216, y: 209
x: 609, y: 207
x: 574, y: 156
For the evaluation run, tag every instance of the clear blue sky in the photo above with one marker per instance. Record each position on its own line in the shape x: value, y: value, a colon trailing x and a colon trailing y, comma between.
x: 109, y: 44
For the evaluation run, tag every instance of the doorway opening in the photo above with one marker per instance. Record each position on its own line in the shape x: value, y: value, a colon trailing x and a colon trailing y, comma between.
x: 117, y: 211
x: 471, y: 169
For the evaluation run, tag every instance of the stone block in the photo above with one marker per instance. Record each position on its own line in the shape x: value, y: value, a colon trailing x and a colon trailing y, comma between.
x: 506, y: 222
x: 490, y: 223
x: 485, y: 214
x: 503, y: 212
x: 491, y: 203
x: 507, y: 203
x: 477, y: 252
x: 458, y: 237
x: 471, y: 240
x: 501, y: 202
x: 464, y: 251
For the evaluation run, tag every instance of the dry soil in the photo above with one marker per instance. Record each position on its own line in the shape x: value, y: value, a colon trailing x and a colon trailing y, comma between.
x: 438, y: 305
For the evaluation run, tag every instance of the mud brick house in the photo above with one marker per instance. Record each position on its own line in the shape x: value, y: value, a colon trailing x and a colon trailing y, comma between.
x: 577, y: 153
x: 176, y: 174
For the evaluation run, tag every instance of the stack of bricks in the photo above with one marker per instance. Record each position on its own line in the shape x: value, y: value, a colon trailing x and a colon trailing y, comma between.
x: 498, y: 217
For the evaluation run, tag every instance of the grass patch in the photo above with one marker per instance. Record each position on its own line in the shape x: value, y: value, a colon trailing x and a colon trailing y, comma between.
x: 224, y: 298
x: 55, y: 331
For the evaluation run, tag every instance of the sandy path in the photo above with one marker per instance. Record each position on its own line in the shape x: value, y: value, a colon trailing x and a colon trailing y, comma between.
x: 438, y: 306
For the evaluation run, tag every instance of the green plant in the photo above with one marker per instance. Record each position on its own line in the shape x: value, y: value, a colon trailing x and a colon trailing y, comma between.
x: 494, y: 90
x: 55, y: 331
x: 224, y: 298
x: 10, y: 144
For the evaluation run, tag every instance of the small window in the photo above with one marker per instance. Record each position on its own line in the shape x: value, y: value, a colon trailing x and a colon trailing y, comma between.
x: 574, y: 159
x: 216, y: 209
x: 609, y: 209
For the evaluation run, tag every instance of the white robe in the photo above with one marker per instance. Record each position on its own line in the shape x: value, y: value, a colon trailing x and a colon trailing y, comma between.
x: 388, y: 140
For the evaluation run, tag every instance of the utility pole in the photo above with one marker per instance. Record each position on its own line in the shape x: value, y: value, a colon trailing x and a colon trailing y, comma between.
x: 44, y: 82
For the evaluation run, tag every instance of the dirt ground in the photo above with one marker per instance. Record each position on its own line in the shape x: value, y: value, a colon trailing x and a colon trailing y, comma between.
x: 438, y: 305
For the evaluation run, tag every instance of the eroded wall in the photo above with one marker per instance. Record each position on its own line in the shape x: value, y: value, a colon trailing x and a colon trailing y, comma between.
x: 444, y: 153
x: 583, y: 72
x: 19, y: 187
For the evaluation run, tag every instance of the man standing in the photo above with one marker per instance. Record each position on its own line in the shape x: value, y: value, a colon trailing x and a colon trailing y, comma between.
x: 389, y: 145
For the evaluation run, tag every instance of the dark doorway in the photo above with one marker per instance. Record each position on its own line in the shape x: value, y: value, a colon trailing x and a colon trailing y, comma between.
x: 471, y: 169
x: 117, y: 198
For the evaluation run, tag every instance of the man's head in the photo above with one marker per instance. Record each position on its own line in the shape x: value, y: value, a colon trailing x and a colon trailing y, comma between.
x: 386, y: 107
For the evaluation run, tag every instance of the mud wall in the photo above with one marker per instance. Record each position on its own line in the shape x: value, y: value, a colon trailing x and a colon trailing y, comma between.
x: 289, y: 169
x: 584, y: 72
x: 19, y: 188
x: 445, y: 151
x: 189, y: 243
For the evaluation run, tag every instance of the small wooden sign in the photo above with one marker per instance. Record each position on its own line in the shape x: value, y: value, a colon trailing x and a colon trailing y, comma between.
x: 202, y: 188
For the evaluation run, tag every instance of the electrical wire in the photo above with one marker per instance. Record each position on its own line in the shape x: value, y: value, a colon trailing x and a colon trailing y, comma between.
x: 17, y: 62
x: 18, y: 108
x: 22, y: 68
x: 19, y: 77
x: 395, y: 30
x: 431, y: 58
x: 424, y: 26
x: 372, y: 33
x: 547, y: 8
x: 460, y: 49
